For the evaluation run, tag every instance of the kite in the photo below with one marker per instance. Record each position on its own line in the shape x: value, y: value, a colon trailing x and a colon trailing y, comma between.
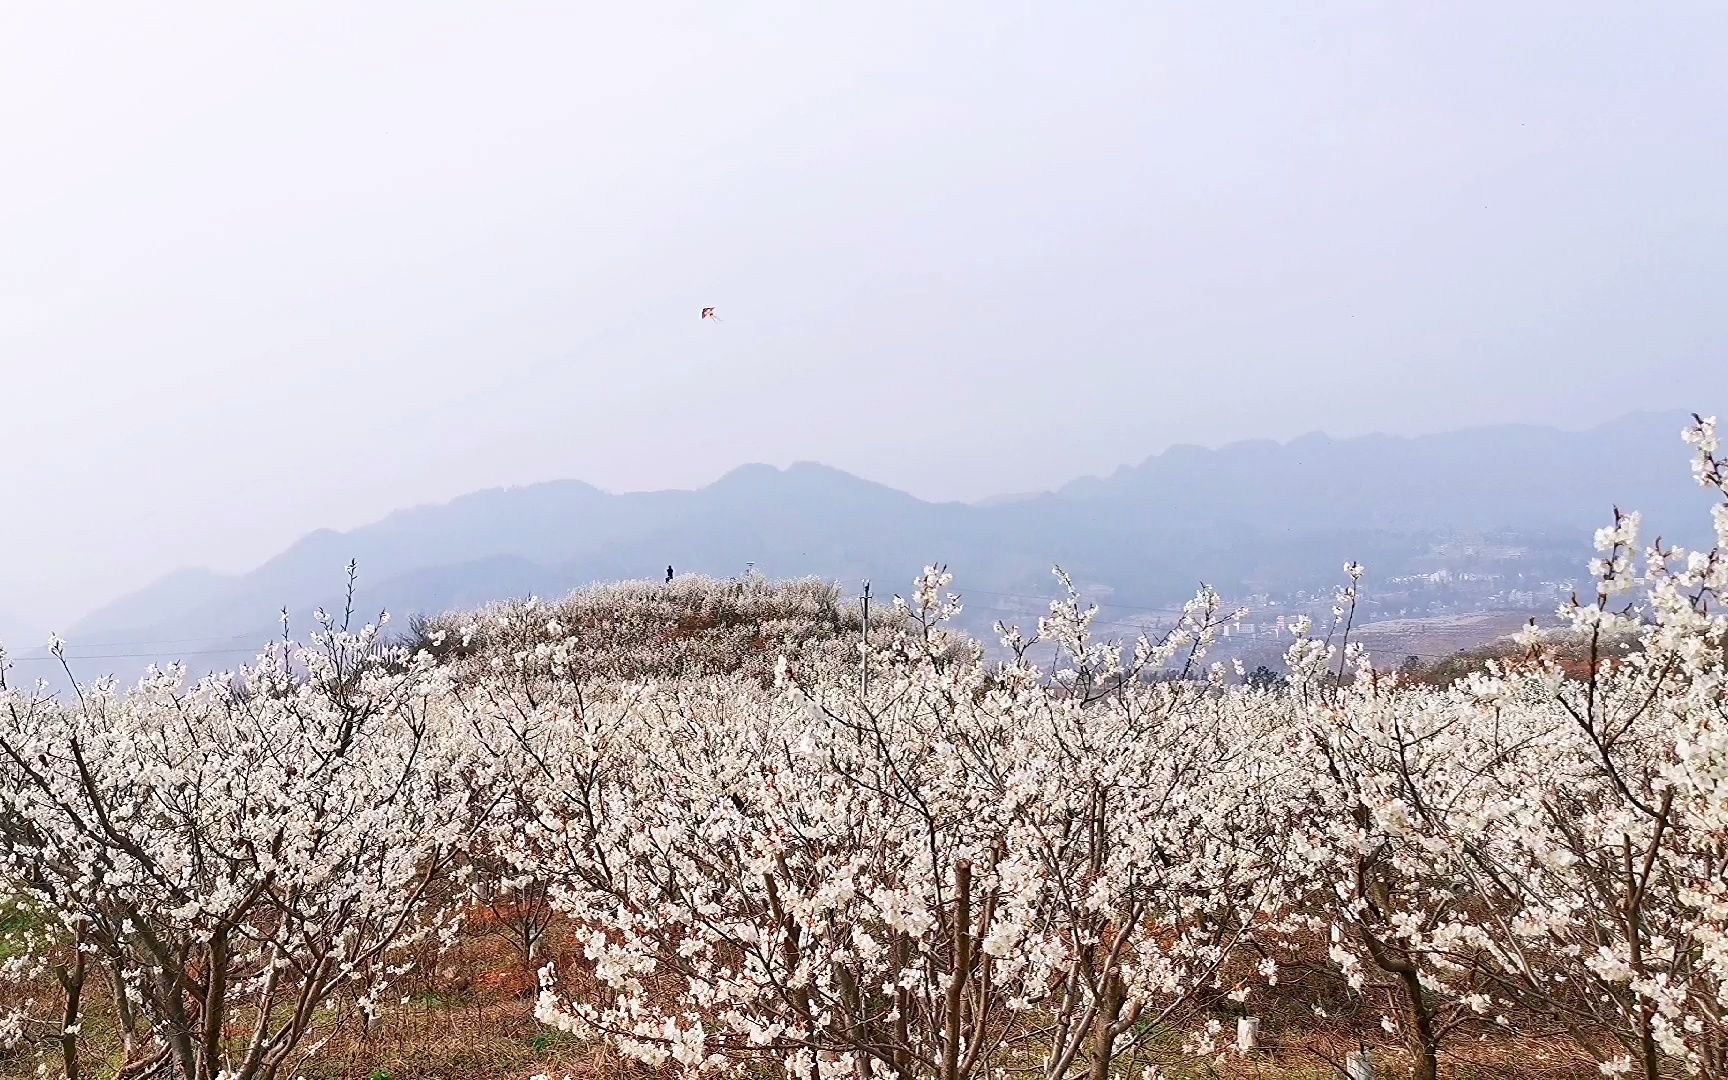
x: 708, y: 313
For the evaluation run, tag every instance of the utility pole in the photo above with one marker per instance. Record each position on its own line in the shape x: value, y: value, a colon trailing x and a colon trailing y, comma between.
x: 864, y: 644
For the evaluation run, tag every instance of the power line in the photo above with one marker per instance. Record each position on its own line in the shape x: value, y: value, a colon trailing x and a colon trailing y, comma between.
x: 131, y: 656
x: 165, y: 641
x: 1161, y: 609
x: 265, y: 635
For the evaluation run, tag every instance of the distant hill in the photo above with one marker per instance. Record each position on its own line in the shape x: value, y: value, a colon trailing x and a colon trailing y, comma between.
x: 1246, y: 516
x: 1519, y: 478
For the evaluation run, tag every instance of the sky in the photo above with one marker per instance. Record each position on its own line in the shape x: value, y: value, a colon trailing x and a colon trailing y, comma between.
x: 268, y: 268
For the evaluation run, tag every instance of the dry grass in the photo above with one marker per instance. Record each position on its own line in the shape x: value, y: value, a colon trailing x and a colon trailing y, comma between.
x: 1313, y: 1054
x: 470, y: 1016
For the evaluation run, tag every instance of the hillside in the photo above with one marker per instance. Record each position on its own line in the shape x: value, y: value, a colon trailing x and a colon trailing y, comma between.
x: 1480, y: 501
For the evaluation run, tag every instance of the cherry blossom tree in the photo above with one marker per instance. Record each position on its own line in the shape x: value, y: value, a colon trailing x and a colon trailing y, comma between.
x: 249, y: 852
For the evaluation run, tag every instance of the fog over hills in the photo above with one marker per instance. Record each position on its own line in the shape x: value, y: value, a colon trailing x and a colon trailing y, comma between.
x: 1252, y: 517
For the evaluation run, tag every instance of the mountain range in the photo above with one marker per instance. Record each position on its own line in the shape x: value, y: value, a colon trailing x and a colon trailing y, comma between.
x: 1251, y: 516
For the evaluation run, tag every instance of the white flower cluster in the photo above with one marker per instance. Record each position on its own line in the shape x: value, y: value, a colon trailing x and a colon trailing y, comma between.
x: 902, y: 860
x: 241, y: 852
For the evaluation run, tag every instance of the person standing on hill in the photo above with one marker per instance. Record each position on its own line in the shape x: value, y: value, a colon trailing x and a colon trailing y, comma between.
x: 668, y: 575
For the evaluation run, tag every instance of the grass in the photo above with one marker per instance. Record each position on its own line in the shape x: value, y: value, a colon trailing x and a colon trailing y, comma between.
x: 17, y: 920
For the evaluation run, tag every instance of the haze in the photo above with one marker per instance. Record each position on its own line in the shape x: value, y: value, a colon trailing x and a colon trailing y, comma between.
x: 264, y: 270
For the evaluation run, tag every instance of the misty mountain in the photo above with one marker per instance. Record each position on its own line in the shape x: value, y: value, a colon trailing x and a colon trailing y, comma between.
x: 1256, y: 515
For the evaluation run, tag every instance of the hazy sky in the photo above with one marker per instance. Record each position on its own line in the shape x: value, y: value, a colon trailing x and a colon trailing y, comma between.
x: 268, y: 268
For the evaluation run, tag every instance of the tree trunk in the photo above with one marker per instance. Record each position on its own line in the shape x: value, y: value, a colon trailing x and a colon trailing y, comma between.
x: 72, y: 983
x: 1418, y: 1029
x: 962, y: 929
x: 1104, y: 1027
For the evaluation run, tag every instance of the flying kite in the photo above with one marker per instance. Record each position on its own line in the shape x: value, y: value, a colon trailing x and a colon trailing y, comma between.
x: 708, y: 313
